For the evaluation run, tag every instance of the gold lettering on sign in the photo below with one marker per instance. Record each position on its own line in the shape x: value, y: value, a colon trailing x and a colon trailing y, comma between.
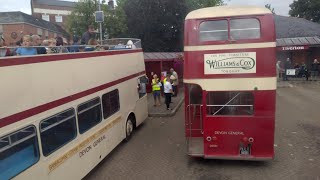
x: 55, y: 164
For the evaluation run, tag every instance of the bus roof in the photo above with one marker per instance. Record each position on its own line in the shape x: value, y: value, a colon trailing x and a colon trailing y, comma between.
x: 226, y: 11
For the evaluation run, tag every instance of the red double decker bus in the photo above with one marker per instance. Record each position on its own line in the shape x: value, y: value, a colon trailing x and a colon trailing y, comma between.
x: 230, y: 83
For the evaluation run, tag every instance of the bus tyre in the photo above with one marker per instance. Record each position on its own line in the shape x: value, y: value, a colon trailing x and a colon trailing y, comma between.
x: 129, y: 129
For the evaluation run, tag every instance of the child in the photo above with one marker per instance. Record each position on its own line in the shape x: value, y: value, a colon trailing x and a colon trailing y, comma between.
x: 26, y: 50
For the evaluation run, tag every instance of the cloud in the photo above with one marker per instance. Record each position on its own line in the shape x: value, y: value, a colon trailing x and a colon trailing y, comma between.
x: 280, y: 7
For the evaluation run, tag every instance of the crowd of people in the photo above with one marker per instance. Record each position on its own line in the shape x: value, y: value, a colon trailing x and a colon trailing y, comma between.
x: 33, y: 45
x: 301, y: 70
x: 166, y: 85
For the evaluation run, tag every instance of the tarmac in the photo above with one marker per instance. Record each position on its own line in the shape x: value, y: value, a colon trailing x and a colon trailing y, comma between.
x: 161, y: 111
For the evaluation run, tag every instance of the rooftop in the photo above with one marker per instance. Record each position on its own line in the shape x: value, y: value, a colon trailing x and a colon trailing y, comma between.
x: 226, y: 11
x: 20, y: 17
x: 55, y: 3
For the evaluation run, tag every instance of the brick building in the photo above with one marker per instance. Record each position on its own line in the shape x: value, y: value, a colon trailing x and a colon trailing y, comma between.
x: 53, y: 11
x: 297, y: 39
x: 13, y: 25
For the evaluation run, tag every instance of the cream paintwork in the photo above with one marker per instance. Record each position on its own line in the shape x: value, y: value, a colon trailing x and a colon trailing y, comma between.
x: 51, y: 11
x: 230, y: 46
x: 47, y: 82
x: 35, y: 84
x: 235, y: 84
x: 226, y: 11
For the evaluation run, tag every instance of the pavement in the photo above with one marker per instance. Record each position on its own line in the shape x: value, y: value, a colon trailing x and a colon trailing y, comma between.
x: 157, y: 150
x: 161, y: 111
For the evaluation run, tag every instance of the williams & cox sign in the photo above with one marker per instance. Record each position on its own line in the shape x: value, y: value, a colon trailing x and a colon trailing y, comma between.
x: 230, y: 63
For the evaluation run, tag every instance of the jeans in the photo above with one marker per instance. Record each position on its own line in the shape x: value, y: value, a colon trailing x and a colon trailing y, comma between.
x: 168, y: 99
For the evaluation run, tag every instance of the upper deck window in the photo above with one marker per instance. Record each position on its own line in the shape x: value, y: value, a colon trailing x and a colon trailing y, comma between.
x: 214, y: 30
x: 244, y: 29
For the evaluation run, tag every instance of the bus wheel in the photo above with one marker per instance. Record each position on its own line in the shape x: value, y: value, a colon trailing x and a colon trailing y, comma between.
x: 129, y: 129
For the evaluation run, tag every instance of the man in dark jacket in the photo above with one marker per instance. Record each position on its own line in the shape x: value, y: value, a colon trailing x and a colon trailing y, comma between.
x: 314, y: 70
x: 287, y: 65
x: 90, y: 34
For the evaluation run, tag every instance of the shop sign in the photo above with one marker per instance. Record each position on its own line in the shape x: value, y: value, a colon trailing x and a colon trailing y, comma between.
x: 293, y: 48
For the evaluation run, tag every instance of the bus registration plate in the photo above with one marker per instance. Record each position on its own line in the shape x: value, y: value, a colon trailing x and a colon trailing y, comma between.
x: 245, y: 150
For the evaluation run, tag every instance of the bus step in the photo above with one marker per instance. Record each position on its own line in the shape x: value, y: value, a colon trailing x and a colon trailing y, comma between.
x: 195, y: 146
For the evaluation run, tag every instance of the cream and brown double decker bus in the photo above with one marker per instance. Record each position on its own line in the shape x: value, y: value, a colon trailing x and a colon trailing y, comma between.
x: 60, y: 115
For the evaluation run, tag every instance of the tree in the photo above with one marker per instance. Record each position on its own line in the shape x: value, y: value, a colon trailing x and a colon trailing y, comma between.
x: 83, y: 15
x: 197, y: 4
x: 158, y: 23
x: 308, y: 9
x: 270, y: 8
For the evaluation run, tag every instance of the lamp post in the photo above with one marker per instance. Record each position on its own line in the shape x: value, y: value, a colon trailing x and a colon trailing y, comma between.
x: 100, y: 25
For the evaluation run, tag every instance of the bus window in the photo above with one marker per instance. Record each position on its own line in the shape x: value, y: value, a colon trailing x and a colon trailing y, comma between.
x: 18, y: 151
x: 244, y: 29
x: 110, y: 103
x: 89, y: 114
x: 58, y: 130
x: 214, y: 30
x: 230, y: 103
x: 142, y: 86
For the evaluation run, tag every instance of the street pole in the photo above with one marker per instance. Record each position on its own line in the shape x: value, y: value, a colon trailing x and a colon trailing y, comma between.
x: 100, y: 25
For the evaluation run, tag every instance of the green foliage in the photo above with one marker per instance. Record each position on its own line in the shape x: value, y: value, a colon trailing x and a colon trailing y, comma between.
x: 270, y: 8
x: 83, y: 15
x: 197, y: 4
x: 158, y: 23
x: 308, y: 9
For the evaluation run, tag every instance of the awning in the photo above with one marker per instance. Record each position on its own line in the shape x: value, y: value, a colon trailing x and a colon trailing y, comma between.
x: 299, y: 41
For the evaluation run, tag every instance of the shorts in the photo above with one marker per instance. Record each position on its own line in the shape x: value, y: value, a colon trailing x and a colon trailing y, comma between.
x: 156, y: 94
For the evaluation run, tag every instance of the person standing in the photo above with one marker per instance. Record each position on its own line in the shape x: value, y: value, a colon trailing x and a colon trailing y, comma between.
x: 279, y: 70
x: 314, y: 70
x: 287, y: 66
x: 156, y: 89
x: 168, y: 91
x: 90, y: 34
x: 175, y: 81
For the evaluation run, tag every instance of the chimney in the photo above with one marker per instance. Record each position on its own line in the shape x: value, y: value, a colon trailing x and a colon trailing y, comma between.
x: 111, y: 4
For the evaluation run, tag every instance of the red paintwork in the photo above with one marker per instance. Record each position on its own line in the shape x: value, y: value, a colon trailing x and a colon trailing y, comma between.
x: 261, y: 125
x: 50, y: 105
x: 20, y: 60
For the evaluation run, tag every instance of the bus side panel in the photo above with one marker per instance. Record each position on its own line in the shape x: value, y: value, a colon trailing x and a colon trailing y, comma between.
x: 228, y: 132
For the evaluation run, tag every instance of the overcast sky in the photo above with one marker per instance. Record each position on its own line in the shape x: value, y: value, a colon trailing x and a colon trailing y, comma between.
x: 281, y: 6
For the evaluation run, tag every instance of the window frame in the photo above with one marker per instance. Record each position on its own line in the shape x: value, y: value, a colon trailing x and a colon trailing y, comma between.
x: 204, y: 21
x: 47, y: 17
x: 103, y: 114
x: 84, y: 110
x: 245, y: 18
x: 36, y: 143
x: 229, y: 40
x: 61, y: 112
x: 229, y: 115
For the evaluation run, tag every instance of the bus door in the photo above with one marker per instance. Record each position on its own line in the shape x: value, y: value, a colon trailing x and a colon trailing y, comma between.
x: 194, y: 119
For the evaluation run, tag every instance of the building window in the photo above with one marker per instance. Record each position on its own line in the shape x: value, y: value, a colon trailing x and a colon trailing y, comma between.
x: 110, y: 103
x: 18, y: 151
x: 214, y: 30
x: 244, y: 29
x: 89, y: 114
x: 58, y: 130
x: 58, y: 19
x: 45, y: 17
x: 230, y: 103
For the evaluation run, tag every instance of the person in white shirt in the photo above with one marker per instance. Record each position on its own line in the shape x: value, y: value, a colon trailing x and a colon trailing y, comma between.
x: 175, y: 81
x: 168, y: 91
